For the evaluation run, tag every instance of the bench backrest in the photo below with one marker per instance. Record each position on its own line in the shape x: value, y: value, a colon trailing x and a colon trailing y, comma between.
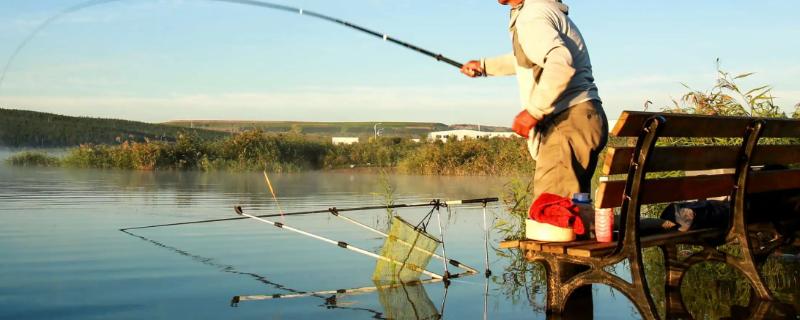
x: 620, y: 160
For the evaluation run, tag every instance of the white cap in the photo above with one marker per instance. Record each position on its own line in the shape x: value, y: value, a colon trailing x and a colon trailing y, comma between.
x: 581, y: 197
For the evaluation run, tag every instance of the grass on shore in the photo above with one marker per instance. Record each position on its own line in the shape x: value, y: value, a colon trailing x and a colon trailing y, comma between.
x: 257, y: 151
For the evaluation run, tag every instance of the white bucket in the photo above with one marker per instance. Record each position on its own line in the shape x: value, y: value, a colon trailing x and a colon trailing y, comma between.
x: 535, y: 230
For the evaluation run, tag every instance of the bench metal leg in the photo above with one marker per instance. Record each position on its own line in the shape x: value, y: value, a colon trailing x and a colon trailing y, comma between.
x: 572, y: 278
x: 675, y: 270
x: 749, y: 267
x: 559, y: 272
x: 738, y: 231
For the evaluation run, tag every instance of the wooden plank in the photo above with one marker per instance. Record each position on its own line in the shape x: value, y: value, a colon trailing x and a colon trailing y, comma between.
x: 686, y: 125
x: 699, y: 158
x: 763, y: 181
x: 598, y: 249
x: 530, y: 245
x: 592, y: 250
x: 509, y: 244
x: 609, y: 193
x: 561, y: 247
x: 527, y: 245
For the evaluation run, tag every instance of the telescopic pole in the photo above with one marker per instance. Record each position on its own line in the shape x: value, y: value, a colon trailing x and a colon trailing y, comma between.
x: 340, y: 244
x: 299, y: 213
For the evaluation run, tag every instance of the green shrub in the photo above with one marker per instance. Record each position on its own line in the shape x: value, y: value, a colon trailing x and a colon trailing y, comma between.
x: 496, y: 156
x: 33, y: 159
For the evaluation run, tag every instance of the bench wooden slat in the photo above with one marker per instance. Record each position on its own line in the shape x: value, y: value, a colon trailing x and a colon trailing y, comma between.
x: 686, y: 125
x: 696, y: 187
x: 509, y: 244
x: 699, y: 158
x: 531, y: 245
x: 597, y: 249
x: 561, y: 247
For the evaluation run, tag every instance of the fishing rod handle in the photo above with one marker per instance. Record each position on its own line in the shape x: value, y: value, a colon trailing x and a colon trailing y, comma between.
x: 468, y: 201
x: 447, y: 60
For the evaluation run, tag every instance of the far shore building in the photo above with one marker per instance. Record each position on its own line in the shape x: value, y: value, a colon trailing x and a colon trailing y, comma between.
x: 344, y: 140
x: 464, y: 134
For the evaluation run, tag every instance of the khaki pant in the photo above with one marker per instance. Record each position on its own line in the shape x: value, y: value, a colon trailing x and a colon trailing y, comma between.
x: 570, y: 144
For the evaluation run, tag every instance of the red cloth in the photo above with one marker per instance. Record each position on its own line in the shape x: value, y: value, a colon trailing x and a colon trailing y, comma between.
x: 558, y: 211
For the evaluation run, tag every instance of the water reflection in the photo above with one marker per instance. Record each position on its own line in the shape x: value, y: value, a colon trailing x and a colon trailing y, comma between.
x: 330, y: 302
x: 407, y: 302
x: 60, y: 242
x: 400, y: 301
x: 709, y: 290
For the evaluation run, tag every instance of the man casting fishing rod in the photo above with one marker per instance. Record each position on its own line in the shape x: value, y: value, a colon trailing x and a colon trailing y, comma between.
x: 562, y: 112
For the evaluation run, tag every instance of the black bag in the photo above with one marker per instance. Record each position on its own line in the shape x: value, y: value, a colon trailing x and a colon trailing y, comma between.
x: 698, y: 214
x: 781, y: 208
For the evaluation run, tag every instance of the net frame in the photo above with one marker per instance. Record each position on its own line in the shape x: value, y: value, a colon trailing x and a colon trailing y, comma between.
x: 409, y: 245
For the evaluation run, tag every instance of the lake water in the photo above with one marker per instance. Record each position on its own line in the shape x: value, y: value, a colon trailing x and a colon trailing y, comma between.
x: 62, y: 254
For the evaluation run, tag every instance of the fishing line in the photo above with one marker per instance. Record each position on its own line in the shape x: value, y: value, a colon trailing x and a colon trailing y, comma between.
x: 41, y: 26
x: 254, y: 3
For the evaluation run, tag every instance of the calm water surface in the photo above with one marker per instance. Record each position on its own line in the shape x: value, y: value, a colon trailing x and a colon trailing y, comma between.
x: 63, y: 256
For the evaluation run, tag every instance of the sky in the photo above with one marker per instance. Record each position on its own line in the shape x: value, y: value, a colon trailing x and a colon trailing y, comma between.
x: 160, y: 60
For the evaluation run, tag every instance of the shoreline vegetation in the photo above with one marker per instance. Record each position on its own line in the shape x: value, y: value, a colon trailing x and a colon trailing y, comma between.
x: 256, y: 151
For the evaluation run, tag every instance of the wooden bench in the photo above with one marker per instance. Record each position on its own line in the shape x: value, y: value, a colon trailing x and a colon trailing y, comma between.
x: 576, y: 264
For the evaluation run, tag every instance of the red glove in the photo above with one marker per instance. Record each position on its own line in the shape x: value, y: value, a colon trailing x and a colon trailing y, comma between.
x: 523, y: 123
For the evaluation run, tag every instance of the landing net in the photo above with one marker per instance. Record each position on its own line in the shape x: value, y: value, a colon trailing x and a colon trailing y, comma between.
x: 409, y: 245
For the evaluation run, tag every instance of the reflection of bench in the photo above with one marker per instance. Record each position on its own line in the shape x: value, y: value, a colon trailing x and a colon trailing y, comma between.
x: 575, y: 264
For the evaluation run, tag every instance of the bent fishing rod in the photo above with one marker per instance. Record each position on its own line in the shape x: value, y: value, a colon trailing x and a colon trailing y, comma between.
x: 255, y: 3
x: 434, y: 203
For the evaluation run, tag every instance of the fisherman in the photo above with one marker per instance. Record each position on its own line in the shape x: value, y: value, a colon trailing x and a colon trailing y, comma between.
x: 562, y: 115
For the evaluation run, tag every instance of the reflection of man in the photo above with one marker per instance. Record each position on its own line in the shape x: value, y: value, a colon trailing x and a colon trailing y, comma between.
x: 559, y: 98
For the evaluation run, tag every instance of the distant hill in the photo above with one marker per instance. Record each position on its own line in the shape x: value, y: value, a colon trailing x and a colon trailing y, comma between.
x: 403, y: 129
x: 395, y: 129
x: 21, y: 128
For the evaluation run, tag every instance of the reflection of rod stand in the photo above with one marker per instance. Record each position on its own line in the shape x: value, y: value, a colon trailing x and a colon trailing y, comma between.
x: 399, y: 300
x: 486, y: 298
x: 230, y: 269
x: 351, y: 291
